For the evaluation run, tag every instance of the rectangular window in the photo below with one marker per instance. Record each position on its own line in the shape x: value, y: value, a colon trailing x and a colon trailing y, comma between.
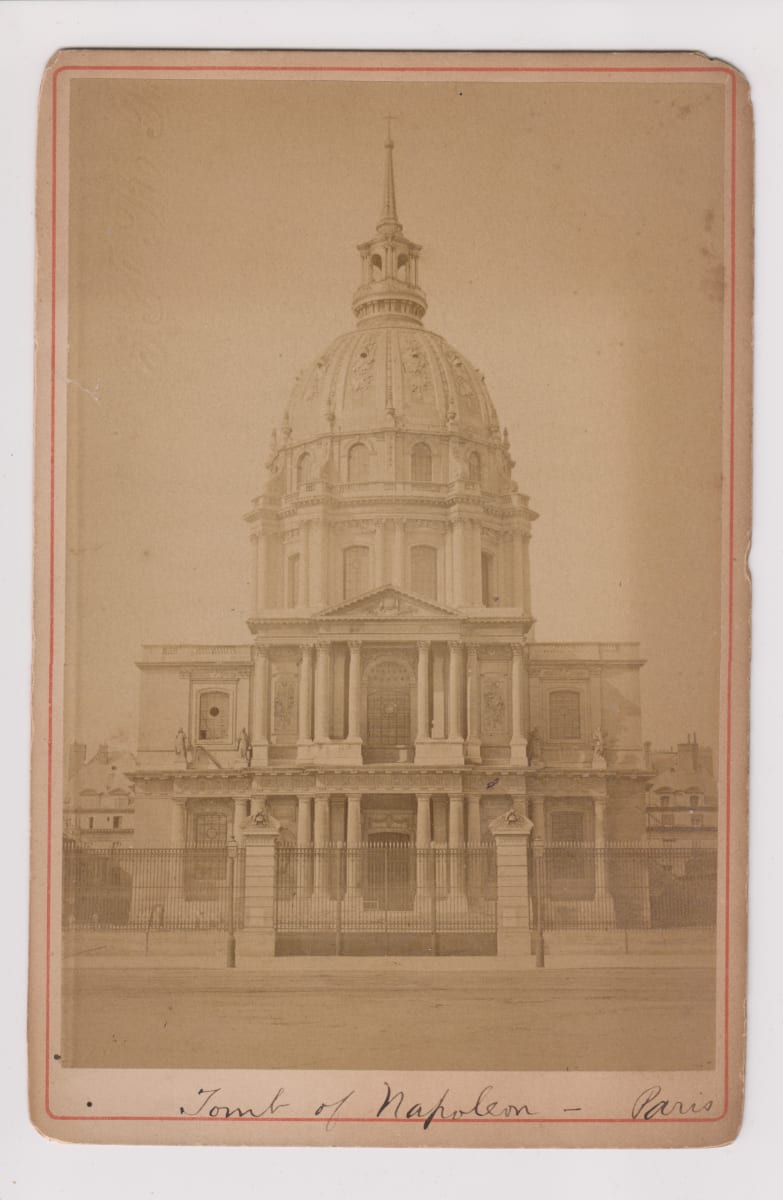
x: 116, y: 822
x: 697, y: 820
x: 564, y: 717
x: 213, y: 716
x: 667, y: 819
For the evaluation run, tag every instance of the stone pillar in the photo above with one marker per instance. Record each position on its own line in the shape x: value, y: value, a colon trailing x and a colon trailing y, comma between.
x: 423, y: 693
x: 305, y: 695
x: 254, y: 593
x: 511, y: 833
x: 455, y: 693
x: 456, y: 844
x: 474, y: 820
x: 322, y: 692
x: 460, y: 562
x: 448, y: 564
x: 257, y: 938
x: 353, y: 840
x: 438, y: 693
x: 354, y: 691
x: 473, y: 739
x: 320, y: 843
x: 518, y: 683
x: 257, y: 803
x: 260, y: 723
x: 474, y: 863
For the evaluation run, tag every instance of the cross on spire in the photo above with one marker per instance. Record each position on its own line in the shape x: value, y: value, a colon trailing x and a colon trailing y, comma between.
x: 389, y: 219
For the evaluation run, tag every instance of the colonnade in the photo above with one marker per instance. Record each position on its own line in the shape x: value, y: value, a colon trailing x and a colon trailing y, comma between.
x: 447, y: 710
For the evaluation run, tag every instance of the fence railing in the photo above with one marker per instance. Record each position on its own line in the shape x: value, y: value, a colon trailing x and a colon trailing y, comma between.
x: 622, y: 886
x: 138, y: 888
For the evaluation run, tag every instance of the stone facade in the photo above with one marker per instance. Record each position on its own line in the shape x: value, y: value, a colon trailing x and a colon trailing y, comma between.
x: 391, y: 686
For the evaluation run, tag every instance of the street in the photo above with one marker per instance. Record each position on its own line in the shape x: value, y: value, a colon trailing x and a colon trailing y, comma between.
x: 554, y: 1019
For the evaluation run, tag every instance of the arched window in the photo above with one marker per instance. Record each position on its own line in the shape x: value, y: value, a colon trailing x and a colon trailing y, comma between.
x: 421, y: 463
x: 356, y: 571
x: 474, y: 467
x: 424, y: 571
x: 303, y: 467
x: 213, y: 711
x: 358, y: 464
x: 376, y: 266
x: 402, y: 262
x: 564, y: 717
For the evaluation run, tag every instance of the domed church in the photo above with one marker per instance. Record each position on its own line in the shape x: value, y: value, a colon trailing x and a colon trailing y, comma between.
x: 392, y: 691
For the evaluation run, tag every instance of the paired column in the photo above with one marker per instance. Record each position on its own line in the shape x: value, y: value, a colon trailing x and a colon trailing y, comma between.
x: 423, y: 693
x: 322, y: 692
x: 353, y: 840
x: 320, y: 842
x: 459, y: 572
x: 306, y: 693
x: 518, y: 683
x: 354, y: 691
x: 398, y: 564
x: 456, y: 843
x: 455, y: 696
x: 260, y: 722
x: 473, y: 740
x: 424, y: 875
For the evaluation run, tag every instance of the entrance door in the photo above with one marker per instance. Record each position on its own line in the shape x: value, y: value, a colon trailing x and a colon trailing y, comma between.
x: 390, y: 876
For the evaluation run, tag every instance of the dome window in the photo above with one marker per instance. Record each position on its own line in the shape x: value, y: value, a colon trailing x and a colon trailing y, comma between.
x: 303, y: 470
x: 358, y: 464
x: 474, y: 467
x: 421, y: 464
x: 376, y: 266
x: 402, y: 263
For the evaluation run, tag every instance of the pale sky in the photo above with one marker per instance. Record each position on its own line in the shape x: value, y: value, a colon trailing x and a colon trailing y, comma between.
x: 573, y: 251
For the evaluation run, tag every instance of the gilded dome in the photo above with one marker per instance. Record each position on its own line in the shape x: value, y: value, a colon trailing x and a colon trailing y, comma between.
x: 390, y: 375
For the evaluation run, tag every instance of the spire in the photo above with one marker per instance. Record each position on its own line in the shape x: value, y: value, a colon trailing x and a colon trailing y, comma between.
x: 389, y: 219
x: 389, y: 290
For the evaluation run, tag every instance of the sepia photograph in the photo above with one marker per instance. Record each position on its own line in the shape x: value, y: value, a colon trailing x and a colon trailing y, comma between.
x: 392, y: 511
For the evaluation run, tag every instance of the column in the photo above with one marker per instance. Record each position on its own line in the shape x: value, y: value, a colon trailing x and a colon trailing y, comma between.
x: 518, y: 739
x: 305, y: 566
x: 354, y: 691
x: 456, y: 844
x: 448, y: 564
x: 304, y: 821
x: 320, y: 843
x: 422, y: 692
x: 516, y: 570
x: 455, y: 696
x: 322, y: 692
x: 424, y: 873
x: 305, y: 693
x: 254, y: 594
x: 353, y: 839
x: 317, y: 552
x: 260, y: 734
x: 474, y: 856
x: 473, y: 740
x: 398, y: 565
x: 438, y: 692
x: 539, y: 818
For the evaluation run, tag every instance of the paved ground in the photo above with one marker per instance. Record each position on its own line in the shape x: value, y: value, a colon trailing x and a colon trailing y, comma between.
x: 553, y: 1019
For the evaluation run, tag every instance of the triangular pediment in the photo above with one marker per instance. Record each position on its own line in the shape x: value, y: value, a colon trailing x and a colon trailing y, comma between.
x: 387, y: 601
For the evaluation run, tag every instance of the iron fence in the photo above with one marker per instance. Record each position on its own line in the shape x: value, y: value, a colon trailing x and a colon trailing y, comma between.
x: 385, y: 898
x: 168, y: 889
x: 622, y: 886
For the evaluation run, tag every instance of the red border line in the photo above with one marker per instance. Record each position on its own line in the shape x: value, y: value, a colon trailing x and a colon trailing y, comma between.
x: 456, y: 70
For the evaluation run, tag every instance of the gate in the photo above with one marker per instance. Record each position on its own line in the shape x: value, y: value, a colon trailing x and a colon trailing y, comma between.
x: 385, y: 897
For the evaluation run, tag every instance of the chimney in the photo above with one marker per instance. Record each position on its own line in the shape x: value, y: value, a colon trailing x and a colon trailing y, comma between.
x: 77, y: 757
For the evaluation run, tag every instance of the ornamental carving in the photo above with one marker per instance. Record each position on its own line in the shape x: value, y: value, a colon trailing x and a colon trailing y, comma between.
x: 416, y: 369
x: 363, y: 368
x: 493, y: 705
x: 284, y: 704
